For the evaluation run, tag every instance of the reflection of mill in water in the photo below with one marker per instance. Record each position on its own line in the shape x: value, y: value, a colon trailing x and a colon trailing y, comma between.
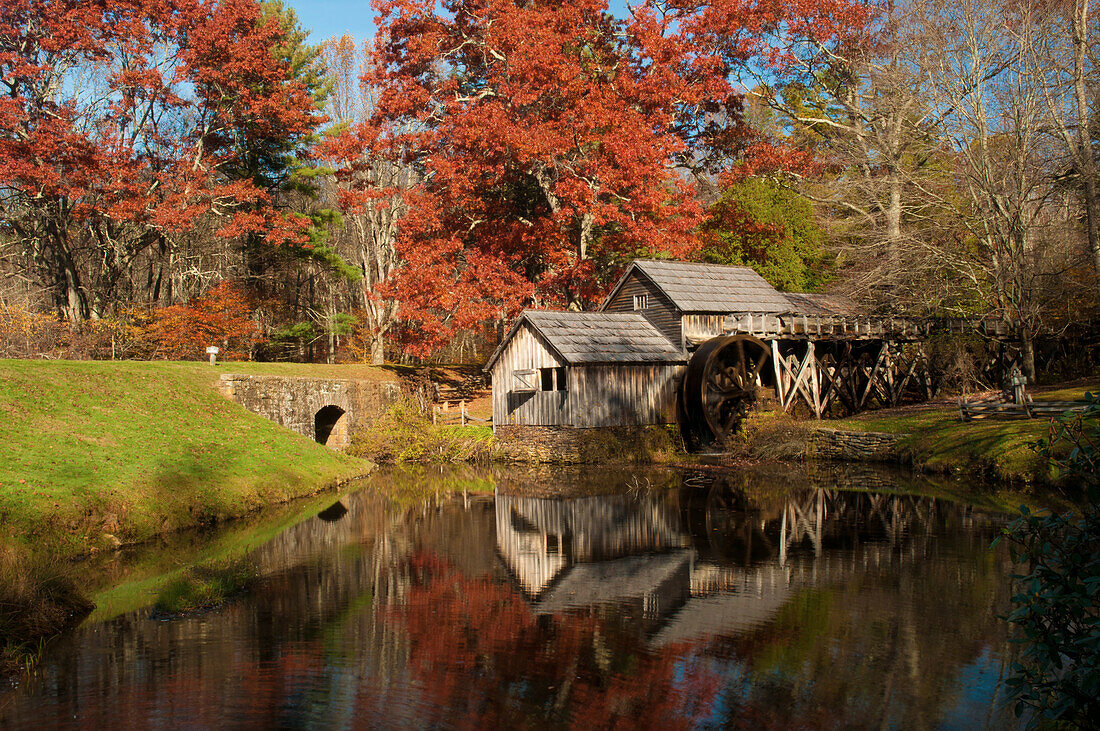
x: 702, y: 560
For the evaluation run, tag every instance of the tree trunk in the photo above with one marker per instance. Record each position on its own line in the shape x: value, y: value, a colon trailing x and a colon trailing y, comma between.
x: 377, y: 349
x: 893, y: 215
x: 1084, y: 141
x: 74, y: 306
x: 1027, y: 356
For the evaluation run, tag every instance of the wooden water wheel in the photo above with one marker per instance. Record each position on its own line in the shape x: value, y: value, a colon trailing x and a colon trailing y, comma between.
x: 721, y: 384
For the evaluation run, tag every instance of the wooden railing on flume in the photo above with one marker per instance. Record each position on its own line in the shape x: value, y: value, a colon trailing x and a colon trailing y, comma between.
x: 698, y: 328
x: 444, y: 414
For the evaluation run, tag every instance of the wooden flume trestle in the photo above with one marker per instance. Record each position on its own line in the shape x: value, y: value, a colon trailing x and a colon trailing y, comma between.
x: 816, y: 365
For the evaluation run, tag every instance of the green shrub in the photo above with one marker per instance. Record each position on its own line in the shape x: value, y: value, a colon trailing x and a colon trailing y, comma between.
x: 404, y: 433
x: 1056, y: 606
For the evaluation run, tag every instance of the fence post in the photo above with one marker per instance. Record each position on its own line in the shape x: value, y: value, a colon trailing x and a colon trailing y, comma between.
x: 462, y: 422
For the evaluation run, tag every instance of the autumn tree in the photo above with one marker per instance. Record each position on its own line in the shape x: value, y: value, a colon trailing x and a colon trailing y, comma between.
x: 123, y: 129
x: 222, y: 317
x: 552, y: 140
x: 1069, y: 64
x: 990, y: 70
x: 865, y: 108
x: 369, y: 185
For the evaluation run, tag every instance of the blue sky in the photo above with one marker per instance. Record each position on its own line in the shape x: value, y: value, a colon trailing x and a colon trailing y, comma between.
x: 326, y: 18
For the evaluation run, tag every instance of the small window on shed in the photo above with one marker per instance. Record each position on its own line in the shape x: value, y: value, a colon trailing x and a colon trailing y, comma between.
x: 641, y: 301
x: 524, y: 381
x: 552, y: 379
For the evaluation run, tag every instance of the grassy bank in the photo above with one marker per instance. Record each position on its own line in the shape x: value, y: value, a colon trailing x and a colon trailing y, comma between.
x: 937, y: 440
x: 93, y: 454
x: 98, y: 454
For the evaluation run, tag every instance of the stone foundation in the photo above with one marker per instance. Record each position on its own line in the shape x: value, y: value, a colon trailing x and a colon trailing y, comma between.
x: 295, y: 402
x: 855, y: 446
x: 571, y: 445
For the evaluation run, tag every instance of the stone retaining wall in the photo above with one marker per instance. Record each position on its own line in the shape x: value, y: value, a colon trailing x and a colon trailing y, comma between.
x: 571, y: 445
x: 294, y: 402
x: 855, y: 446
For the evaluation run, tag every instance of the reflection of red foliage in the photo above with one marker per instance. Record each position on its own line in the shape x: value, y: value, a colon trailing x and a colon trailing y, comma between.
x: 483, y: 658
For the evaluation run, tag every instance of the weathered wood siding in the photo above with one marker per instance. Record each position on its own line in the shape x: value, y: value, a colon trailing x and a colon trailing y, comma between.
x: 697, y: 328
x: 527, y: 351
x: 624, y: 395
x: 661, y: 312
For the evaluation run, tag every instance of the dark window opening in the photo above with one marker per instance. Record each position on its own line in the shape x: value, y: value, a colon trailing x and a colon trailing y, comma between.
x: 553, y: 544
x: 641, y: 301
x: 552, y: 379
x: 325, y: 421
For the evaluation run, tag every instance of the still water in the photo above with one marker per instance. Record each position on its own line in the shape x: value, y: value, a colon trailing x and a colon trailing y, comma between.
x: 590, y: 598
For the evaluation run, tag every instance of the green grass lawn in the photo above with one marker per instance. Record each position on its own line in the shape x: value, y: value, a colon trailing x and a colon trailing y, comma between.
x: 939, y: 440
x: 92, y: 449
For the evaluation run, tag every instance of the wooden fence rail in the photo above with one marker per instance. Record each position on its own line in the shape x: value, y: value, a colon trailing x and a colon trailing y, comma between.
x: 445, y: 415
x: 968, y: 411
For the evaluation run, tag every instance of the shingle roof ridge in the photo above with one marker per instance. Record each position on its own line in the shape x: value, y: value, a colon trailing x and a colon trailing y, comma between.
x: 704, y: 264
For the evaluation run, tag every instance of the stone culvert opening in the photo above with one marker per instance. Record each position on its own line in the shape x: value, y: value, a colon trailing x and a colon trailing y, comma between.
x: 330, y: 427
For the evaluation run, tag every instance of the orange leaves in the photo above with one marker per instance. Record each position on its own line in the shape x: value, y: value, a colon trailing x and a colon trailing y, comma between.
x: 123, y: 123
x: 221, y: 317
x: 557, y: 141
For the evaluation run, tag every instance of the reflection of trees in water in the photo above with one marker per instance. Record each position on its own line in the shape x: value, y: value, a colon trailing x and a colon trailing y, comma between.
x: 780, y: 601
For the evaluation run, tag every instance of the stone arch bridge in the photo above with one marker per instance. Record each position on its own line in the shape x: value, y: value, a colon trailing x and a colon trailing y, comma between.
x: 327, y: 410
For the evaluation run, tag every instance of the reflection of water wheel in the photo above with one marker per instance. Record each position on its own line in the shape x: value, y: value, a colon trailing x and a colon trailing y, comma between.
x: 720, y: 386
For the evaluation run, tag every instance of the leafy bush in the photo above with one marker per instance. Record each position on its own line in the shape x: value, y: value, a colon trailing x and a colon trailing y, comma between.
x: 404, y: 433
x: 1056, y: 612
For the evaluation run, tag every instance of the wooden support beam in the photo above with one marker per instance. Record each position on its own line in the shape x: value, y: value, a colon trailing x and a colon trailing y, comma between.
x: 799, y: 382
x: 872, y: 377
x: 815, y: 381
x: 899, y: 390
x: 777, y: 366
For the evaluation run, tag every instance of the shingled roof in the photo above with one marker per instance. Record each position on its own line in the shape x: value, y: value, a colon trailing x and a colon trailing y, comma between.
x: 711, y: 287
x: 597, y: 337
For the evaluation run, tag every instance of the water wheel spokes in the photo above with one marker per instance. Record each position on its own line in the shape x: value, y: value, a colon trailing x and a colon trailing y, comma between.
x: 720, y: 386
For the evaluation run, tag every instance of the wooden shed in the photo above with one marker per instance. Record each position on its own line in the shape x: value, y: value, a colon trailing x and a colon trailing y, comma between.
x: 584, y: 369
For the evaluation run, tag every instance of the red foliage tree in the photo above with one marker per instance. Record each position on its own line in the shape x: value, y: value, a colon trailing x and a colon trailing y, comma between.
x: 553, y: 139
x: 221, y: 317
x: 124, y: 122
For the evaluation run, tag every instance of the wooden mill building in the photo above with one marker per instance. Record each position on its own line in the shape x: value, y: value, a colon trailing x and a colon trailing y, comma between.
x: 697, y: 344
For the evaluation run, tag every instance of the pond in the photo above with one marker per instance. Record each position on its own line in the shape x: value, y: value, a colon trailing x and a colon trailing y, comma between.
x: 595, y: 597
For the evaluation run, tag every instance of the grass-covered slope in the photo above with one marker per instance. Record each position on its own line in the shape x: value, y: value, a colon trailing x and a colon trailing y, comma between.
x: 93, y: 451
x: 939, y: 440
